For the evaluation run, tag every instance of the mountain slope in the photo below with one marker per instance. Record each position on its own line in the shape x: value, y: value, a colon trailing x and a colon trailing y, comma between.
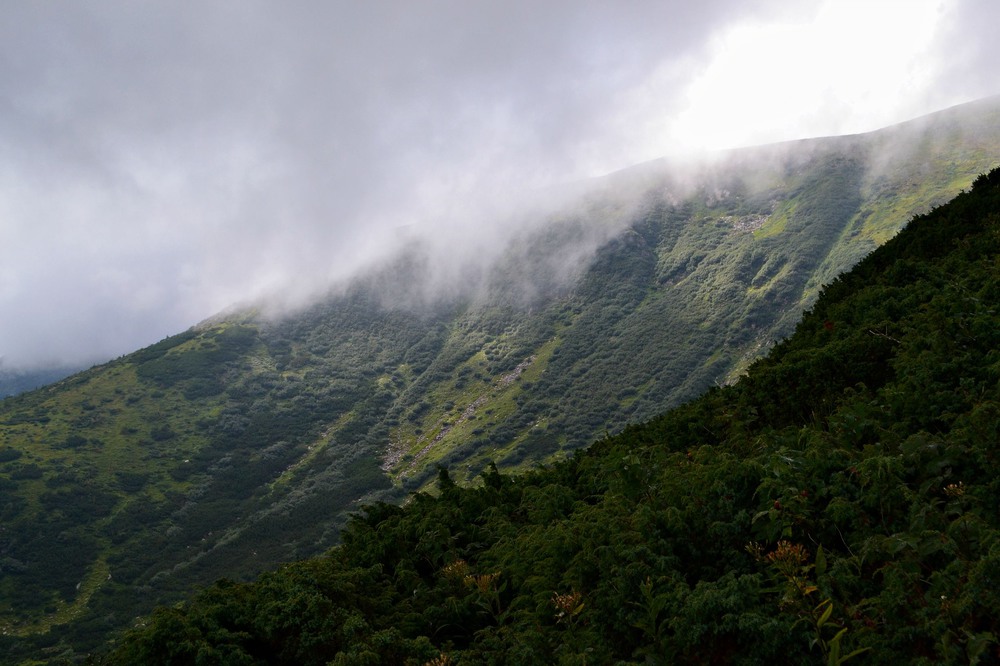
x: 247, y: 441
x: 840, y: 500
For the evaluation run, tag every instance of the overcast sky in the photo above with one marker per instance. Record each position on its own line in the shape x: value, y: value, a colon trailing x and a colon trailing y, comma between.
x: 160, y: 161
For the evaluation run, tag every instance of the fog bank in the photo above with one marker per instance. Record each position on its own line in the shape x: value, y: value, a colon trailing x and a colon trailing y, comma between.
x: 160, y: 162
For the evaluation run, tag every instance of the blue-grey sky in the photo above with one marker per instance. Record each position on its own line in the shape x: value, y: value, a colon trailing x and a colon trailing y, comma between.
x: 160, y: 161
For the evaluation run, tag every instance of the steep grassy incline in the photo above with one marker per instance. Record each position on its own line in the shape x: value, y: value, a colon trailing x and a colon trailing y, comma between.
x: 246, y: 442
x: 841, y: 501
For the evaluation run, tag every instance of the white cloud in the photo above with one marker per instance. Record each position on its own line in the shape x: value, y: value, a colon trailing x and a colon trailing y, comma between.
x: 158, y: 162
x: 849, y: 67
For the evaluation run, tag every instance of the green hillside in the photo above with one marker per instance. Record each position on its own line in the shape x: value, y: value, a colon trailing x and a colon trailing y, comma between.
x: 839, y: 502
x: 246, y: 441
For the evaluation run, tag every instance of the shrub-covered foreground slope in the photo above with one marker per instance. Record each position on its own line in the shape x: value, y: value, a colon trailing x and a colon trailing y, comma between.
x: 246, y: 442
x: 842, y: 497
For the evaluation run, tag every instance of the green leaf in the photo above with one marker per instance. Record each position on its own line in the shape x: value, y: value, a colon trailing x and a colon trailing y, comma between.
x: 820, y: 561
x: 826, y: 614
x: 855, y: 653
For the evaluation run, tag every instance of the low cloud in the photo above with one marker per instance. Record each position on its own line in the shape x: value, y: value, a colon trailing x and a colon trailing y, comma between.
x: 159, y: 162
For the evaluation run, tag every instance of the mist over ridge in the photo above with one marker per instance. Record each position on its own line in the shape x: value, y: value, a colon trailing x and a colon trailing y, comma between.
x: 160, y: 164
x: 537, y: 245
